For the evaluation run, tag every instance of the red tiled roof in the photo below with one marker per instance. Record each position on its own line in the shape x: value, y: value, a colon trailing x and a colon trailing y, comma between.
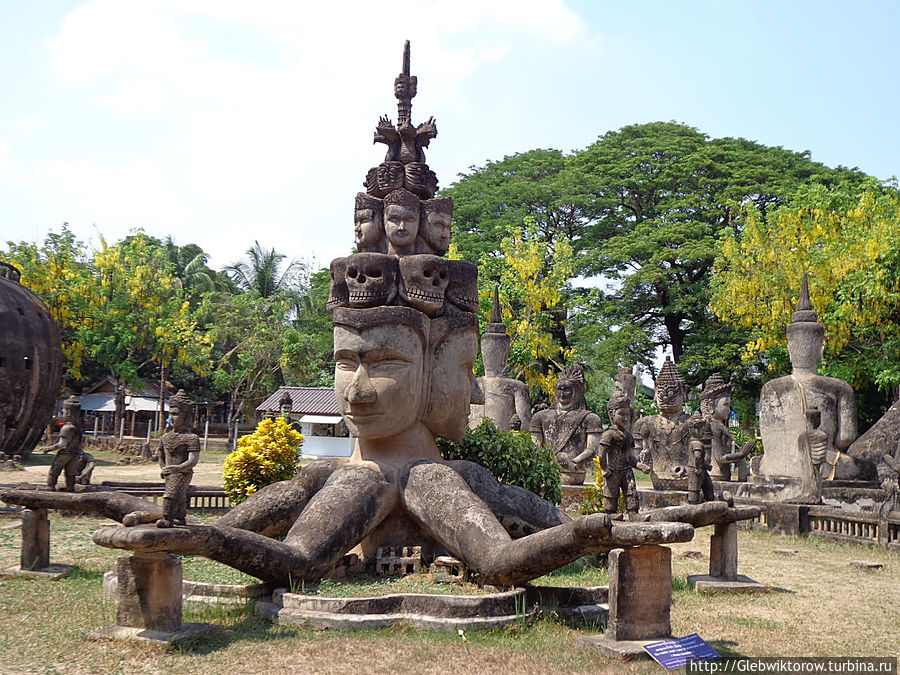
x: 306, y: 401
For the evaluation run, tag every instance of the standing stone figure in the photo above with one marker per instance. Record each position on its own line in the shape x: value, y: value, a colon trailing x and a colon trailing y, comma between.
x: 715, y: 405
x: 504, y: 397
x: 616, y: 454
x: 568, y: 427
x: 179, y: 452
x: 700, y: 487
x: 68, y: 446
x: 783, y: 403
x: 661, y: 441
x: 891, y: 483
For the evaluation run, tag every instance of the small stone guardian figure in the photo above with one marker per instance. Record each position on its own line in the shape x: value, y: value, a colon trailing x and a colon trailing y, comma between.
x: 568, y: 427
x: 68, y: 446
x: 179, y: 452
x: 616, y: 454
x: 715, y: 405
x: 700, y: 487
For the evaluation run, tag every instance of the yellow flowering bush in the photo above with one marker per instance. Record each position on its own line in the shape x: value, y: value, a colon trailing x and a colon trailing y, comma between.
x: 268, y: 455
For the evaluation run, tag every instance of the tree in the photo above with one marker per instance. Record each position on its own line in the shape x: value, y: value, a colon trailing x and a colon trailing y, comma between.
x: 261, y: 272
x: 849, y: 244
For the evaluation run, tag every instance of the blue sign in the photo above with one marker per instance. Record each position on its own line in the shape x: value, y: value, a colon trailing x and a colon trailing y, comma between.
x: 671, y: 654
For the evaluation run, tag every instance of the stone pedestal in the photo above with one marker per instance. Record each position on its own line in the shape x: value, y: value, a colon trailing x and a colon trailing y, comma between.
x: 723, y: 559
x: 149, y: 600
x: 640, y: 602
x: 34, y: 560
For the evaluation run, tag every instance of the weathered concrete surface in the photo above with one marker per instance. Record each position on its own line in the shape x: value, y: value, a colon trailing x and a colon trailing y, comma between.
x: 704, y: 583
x: 640, y: 593
x: 148, y: 593
x: 35, y: 540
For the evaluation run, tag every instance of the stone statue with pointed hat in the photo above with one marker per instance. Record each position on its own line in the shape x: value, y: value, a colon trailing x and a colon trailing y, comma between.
x: 661, y: 441
x: 179, y: 452
x: 715, y: 406
x: 783, y: 403
x: 504, y: 397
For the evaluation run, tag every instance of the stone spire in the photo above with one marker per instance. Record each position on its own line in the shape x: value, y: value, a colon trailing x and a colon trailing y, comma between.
x: 805, y: 311
x: 495, y: 325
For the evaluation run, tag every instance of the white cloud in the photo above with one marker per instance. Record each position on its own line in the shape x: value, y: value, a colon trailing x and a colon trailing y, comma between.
x: 5, y: 159
x: 34, y: 123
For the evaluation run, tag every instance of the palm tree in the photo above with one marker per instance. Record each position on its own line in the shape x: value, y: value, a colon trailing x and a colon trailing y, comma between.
x: 261, y: 272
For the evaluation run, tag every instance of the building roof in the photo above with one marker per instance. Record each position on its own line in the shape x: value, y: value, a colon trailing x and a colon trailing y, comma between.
x: 304, y: 400
x: 107, y: 403
x: 145, y: 389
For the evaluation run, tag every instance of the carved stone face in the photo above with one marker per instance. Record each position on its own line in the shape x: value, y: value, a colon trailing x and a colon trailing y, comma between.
x: 722, y: 409
x: 622, y: 418
x: 452, y: 384
x: 337, y: 294
x: 436, y: 230
x: 669, y: 399
x: 371, y: 279
x: 368, y: 226
x: 178, y: 419
x: 388, y: 177
x: 378, y: 376
x: 425, y: 280
x: 565, y: 395
x: 806, y: 340
x: 401, y: 225
x: 462, y: 292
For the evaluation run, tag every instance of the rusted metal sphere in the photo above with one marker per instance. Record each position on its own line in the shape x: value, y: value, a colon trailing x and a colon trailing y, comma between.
x: 30, y: 365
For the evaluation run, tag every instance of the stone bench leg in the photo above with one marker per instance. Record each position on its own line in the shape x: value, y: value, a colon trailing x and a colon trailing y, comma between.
x: 35, y: 540
x: 149, y: 591
x: 723, y: 551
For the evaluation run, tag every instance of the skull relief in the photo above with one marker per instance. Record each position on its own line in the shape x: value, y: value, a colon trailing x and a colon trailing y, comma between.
x: 337, y: 294
x: 371, y: 279
x: 462, y: 292
x: 425, y: 280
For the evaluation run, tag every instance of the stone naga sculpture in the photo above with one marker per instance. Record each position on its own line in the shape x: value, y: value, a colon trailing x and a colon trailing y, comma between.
x: 504, y: 397
x: 68, y: 447
x: 783, y: 404
x: 568, y: 427
x: 661, y: 441
x: 715, y: 405
x: 403, y: 376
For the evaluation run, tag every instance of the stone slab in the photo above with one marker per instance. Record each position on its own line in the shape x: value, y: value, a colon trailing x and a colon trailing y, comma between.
x: 148, y: 636
x: 624, y: 650
x: 704, y: 583
x: 52, y: 571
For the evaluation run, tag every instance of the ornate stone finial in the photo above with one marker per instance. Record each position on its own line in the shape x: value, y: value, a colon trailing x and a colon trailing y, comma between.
x: 715, y: 387
x: 181, y: 402
x: 669, y: 376
x: 805, y: 311
x: 404, y: 89
x: 495, y: 306
x: 72, y: 407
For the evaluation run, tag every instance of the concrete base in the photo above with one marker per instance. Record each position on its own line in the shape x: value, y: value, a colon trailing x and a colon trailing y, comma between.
x: 148, y: 636
x: 624, y: 650
x: 704, y: 583
x: 54, y: 572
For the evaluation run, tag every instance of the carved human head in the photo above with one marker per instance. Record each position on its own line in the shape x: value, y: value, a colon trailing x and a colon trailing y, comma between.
x: 379, y: 372
x: 420, y: 180
x: 72, y: 409
x: 437, y: 216
x: 569, y: 392
x: 401, y: 220
x: 453, y: 348
x: 181, y: 410
x: 462, y: 291
x: 671, y: 389
x: 620, y: 410
x: 371, y: 279
x: 368, y: 223
x: 715, y: 399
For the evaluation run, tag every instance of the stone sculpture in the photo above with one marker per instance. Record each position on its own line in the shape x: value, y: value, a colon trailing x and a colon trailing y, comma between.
x: 84, y: 468
x: 661, y: 441
x: 402, y: 377
x: 700, y: 487
x: 504, y: 397
x: 783, y: 403
x: 30, y: 365
x: 368, y: 224
x: 568, y: 427
x: 285, y: 404
x: 68, y: 447
x: 715, y: 405
x: 179, y: 451
x: 626, y: 382
x: 616, y: 454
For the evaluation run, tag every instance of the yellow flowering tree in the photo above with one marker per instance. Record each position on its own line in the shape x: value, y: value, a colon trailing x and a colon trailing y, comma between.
x: 268, y: 455
x: 850, y: 247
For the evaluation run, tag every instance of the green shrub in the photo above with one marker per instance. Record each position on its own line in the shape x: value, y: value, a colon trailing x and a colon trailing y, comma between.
x: 511, y: 456
x: 268, y: 455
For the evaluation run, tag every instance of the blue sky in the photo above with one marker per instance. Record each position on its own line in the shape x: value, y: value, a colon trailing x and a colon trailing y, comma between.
x: 224, y: 121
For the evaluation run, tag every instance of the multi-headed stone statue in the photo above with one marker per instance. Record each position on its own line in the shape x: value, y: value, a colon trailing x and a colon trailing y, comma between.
x: 568, y: 427
x: 403, y: 376
x: 504, y: 397
x: 715, y: 405
x: 661, y: 441
x: 783, y: 404
x: 68, y: 447
x: 179, y: 452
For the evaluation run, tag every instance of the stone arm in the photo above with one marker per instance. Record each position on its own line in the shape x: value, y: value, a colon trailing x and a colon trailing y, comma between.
x: 594, y: 447
x: 65, y: 436
x: 845, y: 433
x: 522, y: 403
x: 88, y: 465
x: 738, y: 455
x: 186, y: 465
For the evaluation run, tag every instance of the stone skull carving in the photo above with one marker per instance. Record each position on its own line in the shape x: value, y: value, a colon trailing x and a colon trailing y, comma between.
x: 425, y: 280
x: 371, y: 279
x: 462, y: 292
x: 337, y: 294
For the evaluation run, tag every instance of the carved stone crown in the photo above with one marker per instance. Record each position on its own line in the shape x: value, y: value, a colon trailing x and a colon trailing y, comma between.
x: 618, y: 401
x: 573, y: 375
x: 715, y: 387
x: 182, y: 403
x: 669, y: 378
